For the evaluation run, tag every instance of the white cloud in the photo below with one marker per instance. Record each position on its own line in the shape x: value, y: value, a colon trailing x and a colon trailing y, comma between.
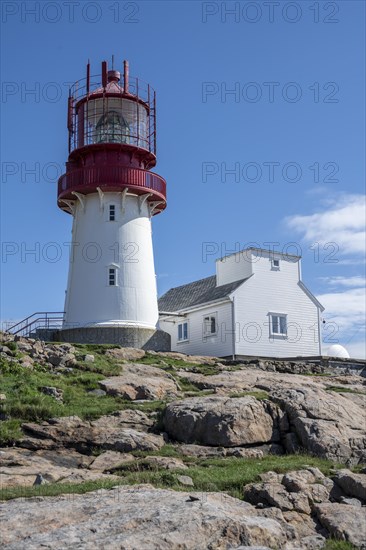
x: 343, y: 223
x: 357, y: 350
x: 345, y: 318
x: 338, y: 281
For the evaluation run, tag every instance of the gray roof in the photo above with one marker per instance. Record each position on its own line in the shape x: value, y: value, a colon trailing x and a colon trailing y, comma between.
x: 194, y: 294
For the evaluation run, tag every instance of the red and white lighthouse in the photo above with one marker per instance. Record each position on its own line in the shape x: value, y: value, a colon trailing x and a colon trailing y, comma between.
x: 112, y: 195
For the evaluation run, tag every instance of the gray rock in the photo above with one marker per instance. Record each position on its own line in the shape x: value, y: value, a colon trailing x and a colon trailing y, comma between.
x: 89, y: 358
x: 139, y: 517
x: 125, y: 354
x: 97, y: 393
x: 68, y: 359
x: 112, y: 432
x: 56, y: 393
x: 219, y: 421
x: 166, y: 462
x: 55, y: 359
x: 40, y: 480
x: 141, y: 382
x: 6, y: 350
x: 325, y: 423
x: 344, y: 522
x: 350, y: 501
x: 352, y: 484
x: 111, y: 460
x: 275, y: 494
x: 185, y: 480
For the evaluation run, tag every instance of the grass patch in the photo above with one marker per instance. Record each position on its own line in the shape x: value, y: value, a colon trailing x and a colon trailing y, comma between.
x: 332, y: 544
x: 260, y: 395
x: 54, y: 489
x: 27, y: 403
x: 187, y: 385
x: 341, y: 389
x: 227, y: 475
x: 13, y: 346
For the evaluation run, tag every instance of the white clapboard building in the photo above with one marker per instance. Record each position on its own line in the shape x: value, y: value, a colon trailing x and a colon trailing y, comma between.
x: 255, y: 305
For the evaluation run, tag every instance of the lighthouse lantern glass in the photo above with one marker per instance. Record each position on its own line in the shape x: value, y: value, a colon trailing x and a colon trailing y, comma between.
x: 115, y: 120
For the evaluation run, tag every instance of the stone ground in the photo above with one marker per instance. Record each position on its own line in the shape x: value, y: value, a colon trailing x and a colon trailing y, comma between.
x: 210, y: 409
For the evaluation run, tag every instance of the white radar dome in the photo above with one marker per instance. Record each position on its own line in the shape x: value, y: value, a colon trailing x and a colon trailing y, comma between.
x: 336, y: 350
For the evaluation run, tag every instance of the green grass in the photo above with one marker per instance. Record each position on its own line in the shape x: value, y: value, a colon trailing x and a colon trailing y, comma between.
x: 26, y: 403
x: 260, y: 395
x: 54, y: 489
x: 227, y: 475
x: 332, y: 544
x: 341, y: 389
x: 11, y: 345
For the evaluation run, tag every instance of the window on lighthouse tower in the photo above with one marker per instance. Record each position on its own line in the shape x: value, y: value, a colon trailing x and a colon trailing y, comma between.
x: 112, y: 276
x: 112, y: 128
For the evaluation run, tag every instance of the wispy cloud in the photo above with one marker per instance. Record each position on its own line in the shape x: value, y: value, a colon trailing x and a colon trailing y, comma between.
x: 341, y: 222
x: 337, y: 281
x: 345, y: 319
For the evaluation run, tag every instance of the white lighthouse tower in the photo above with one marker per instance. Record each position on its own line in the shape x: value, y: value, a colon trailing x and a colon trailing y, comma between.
x: 109, y: 190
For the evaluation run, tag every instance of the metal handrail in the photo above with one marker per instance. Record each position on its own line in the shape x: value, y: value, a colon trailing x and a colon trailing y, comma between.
x: 24, y: 324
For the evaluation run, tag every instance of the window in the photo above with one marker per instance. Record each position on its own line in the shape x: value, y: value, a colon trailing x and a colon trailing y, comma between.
x: 275, y: 264
x: 278, y: 324
x: 112, y: 212
x: 182, y: 332
x: 112, y: 276
x: 209, y: 325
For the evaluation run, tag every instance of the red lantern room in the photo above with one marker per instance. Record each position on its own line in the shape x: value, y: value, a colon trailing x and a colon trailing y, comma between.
x: 112, y: 139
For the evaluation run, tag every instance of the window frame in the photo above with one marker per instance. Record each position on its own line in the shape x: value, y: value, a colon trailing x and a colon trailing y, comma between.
x: 210, y: 316
x: 279, y: 316
x: 181, y: 326
x: 275, y: 267
x: 112, y: 270
x: 112, y: 216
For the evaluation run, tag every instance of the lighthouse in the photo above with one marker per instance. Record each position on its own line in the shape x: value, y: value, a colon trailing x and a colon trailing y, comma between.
x: 112, y: 195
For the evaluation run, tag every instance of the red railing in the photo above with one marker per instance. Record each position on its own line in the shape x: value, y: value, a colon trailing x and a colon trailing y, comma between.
x: 86, y: 180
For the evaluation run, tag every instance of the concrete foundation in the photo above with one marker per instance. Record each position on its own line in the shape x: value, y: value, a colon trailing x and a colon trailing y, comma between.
x: 146, y: 339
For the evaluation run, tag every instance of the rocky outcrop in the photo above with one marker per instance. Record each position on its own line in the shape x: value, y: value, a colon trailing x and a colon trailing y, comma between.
x: 125, y: 354
x: 344, y: 522
x: 312, y: 503
x: 325, y: 423
x: 20, y: 467
x: 352, y: 484
x: 141, y: 382
x: 254, y: 408
x: 113, y: 432
x: 139, y: 517
x: 221, y: 421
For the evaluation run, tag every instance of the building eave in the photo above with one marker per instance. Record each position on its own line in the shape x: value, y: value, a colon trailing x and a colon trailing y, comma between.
x: 311, y: 296
x: 254, y: 249
x: 185, y: 311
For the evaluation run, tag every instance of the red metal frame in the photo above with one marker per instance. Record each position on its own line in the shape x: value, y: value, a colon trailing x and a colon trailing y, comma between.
x: 111, y: 166
x: 111, y: 178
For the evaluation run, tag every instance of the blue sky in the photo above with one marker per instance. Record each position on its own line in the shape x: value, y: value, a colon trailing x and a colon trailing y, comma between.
x: 261, y: 138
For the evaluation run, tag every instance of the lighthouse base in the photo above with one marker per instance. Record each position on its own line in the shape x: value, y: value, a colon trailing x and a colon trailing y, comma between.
x: 131, y: 337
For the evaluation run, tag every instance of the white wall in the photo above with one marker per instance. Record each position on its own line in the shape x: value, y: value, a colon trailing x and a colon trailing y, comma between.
x: 216, y: 345
x: 233, y: 268
x: 275, y: 291
x: 99, y: 244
